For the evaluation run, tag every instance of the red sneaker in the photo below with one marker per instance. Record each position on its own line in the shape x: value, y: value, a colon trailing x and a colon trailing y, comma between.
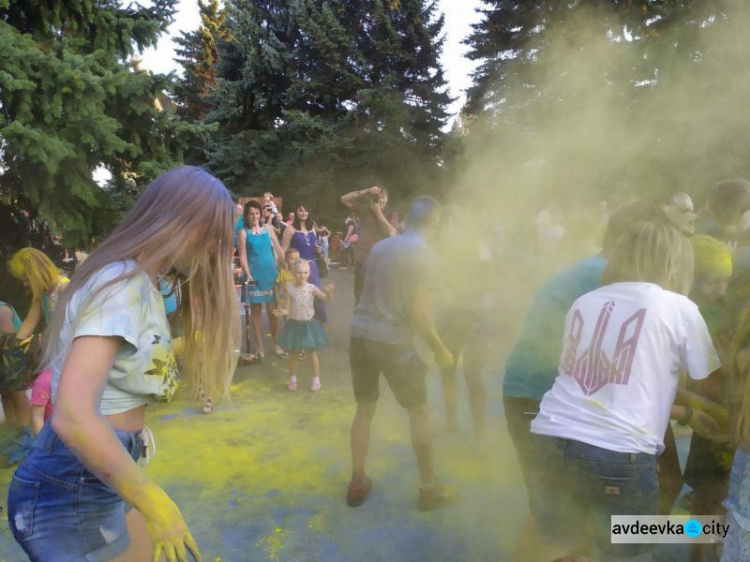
x: 357, y: 492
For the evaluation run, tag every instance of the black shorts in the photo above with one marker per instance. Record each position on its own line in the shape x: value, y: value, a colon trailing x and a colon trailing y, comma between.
x: 401, y: 366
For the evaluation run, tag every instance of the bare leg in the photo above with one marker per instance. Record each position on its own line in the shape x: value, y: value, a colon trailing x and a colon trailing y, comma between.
x: 315, y: 362
x: 473, y: 360
x: 449, y: 397
x: 256, y: 311
x: 293, y: 364
x: 360, y: 438
x: 421, y: 442
x: 273, y: 325
x: 140, y: 543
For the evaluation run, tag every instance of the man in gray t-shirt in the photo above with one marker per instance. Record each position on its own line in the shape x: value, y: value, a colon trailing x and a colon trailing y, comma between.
x: 395, y: 303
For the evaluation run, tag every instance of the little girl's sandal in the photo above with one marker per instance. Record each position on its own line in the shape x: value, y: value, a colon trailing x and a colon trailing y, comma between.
x: 316, y: 385
x: 292, y: 385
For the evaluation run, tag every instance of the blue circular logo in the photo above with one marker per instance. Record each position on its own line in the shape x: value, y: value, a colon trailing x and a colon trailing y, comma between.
x: 693, y: 528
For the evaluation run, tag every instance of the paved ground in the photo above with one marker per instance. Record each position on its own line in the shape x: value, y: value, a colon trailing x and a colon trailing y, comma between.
x: 264, y: 479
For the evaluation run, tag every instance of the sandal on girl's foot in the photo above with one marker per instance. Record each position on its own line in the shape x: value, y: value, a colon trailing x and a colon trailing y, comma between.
x: 281, y: 354
x: 292, y: 385
x: 208, y: 407
x: 316, y: 385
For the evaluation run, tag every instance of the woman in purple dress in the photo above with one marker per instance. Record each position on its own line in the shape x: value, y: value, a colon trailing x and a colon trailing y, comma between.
x: 302, y: 235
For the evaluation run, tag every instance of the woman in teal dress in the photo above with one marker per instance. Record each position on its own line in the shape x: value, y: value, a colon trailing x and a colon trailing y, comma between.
x: 260, y: 252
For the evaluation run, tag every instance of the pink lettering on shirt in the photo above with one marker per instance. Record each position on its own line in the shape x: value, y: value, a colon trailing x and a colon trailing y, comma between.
x: 592, y: 368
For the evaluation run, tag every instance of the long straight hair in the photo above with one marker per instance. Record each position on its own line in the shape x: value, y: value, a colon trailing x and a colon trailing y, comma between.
x: 34, y: 266
x: 165, y: 218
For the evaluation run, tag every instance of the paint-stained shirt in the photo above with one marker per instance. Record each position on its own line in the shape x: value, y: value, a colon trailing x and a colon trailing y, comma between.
x: 624, y: 346
x: 132, y: 309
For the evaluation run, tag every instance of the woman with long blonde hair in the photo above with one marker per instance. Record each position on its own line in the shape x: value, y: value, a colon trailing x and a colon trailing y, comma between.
x: 35, y: 270
x: 109, y: 347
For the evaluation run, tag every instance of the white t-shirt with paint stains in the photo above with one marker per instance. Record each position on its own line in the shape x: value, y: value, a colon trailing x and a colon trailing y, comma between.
x: 132, y: 309
x: 623, y: 349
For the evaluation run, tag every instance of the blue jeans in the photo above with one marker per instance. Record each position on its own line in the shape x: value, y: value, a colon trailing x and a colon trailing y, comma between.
x: 579, y: 486
x: 58, y: 510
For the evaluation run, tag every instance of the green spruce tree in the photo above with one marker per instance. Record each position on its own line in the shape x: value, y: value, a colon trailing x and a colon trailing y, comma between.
x: 316, y: 97
x: 198, y: 54
x: 72, y: 100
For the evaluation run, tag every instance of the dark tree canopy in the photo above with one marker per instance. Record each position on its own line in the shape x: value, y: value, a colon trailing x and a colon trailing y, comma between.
x: 72, y: 101
x: 315, y: 98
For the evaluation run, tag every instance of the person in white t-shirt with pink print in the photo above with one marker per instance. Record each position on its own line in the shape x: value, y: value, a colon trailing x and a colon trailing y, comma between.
x: 601, y: 426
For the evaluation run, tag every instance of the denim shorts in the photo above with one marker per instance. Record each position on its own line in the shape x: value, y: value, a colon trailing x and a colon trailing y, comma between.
x: 58, y: 510
x: 578, y: 487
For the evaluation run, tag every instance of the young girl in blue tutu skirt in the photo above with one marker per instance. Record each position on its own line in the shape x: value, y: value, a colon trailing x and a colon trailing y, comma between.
x: 302, y: 332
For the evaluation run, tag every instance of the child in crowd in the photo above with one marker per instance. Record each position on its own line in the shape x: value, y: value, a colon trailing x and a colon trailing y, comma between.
x: 41, y: 400
x: 285, y: 277
x: 268, y: 200
x: 301, y: 331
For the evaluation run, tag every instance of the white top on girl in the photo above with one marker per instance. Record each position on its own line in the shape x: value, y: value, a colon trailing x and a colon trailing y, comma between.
x: 301, y: 301
x: 132, y: 309
x: 623, y: 349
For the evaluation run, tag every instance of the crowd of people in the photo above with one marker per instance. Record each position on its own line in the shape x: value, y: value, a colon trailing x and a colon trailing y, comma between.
x: 651, y: 328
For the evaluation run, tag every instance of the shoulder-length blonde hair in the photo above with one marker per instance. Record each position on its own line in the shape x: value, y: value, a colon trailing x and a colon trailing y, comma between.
x: 34, y: 266
x: 654, y: 253
x: 184, y: 206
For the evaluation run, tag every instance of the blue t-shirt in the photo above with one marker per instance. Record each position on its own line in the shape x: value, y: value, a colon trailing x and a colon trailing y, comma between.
x: 532, y: 366
x: 395, y: 268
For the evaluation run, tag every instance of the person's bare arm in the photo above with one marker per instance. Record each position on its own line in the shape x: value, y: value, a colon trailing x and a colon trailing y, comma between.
x: 286, y: 239
x: 6, y: 320
x: 350, y: 199
x: 326, y: 294
x: 385, y: 227
x: 77, y: 420
x: 242, y: 251
x: 37, y: 419
x: 277, y: 250
x: 424, y: 324
x: 283, y: 306
x: 31, y: 321
x: 711, y: 387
